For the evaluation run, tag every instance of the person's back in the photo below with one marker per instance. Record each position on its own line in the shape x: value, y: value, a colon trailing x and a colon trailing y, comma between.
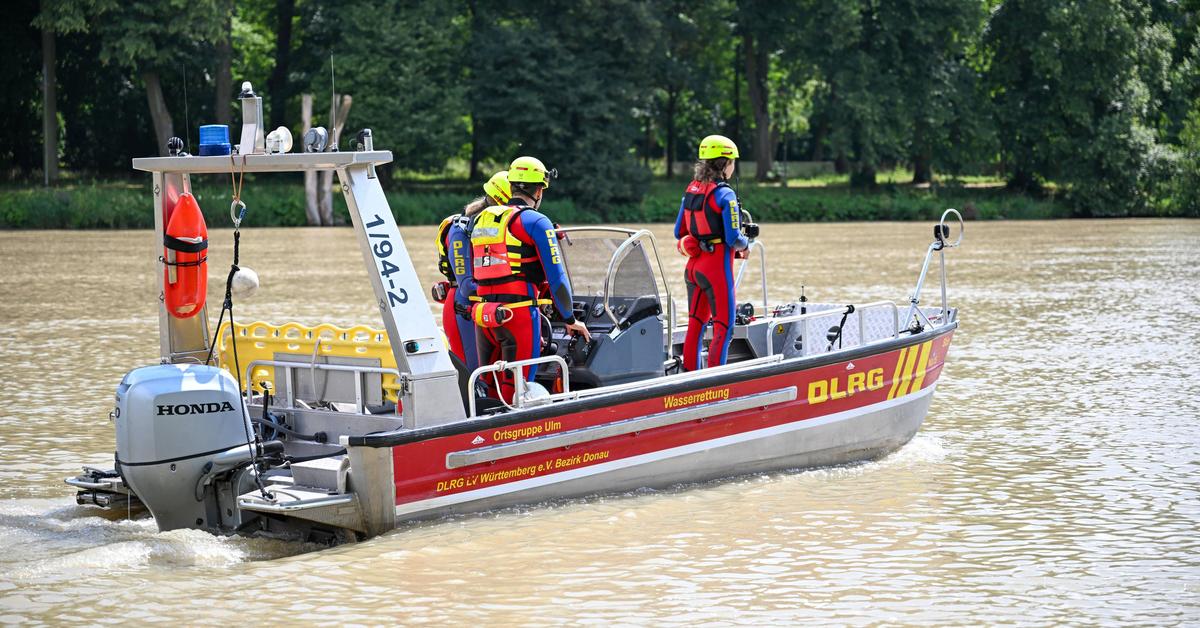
x: 515, y: 249
x: 709, y: 233
x: 457, y: 259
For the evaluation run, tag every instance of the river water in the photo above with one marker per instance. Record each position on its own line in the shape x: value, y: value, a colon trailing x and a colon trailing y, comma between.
x: 1056, y: 479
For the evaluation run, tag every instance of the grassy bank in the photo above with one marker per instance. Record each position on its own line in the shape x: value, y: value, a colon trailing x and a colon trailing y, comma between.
x: 276, y: 202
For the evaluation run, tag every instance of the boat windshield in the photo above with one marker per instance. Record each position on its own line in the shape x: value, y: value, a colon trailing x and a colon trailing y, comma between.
x: 588, y: 255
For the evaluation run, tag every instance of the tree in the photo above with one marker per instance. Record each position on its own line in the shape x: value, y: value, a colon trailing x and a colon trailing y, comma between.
x: 765, y: 28
x: 940, y: 82
x: 561, y: 84
x: 400, y: 59
x: 1185, y: 188
x: 149, y: 37
x: 693, y: 60
x: 277, y: 85
x: 855, y: 47
x: 20, y: 97
x: 223, y: 93
x: 1074, y: 87
x: 49, y: 108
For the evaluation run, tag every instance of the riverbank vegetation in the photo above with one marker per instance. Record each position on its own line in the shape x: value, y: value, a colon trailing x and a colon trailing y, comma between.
x: 1006, y: 107
x: 276, y: 202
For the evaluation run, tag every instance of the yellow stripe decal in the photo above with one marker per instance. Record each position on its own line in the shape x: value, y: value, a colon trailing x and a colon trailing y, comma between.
x: 896, y: 373
x: 922, y: 363
x: 909, y: 364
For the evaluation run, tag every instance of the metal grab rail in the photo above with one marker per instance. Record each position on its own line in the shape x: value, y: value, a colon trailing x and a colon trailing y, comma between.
x: 290, y: 375
x: 762, y: 267
x: 862, y: 318
x: 940, y: 232
x: 518, y: 380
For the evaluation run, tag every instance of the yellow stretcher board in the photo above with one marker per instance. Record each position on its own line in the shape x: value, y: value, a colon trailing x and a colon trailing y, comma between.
x: 296, y: 342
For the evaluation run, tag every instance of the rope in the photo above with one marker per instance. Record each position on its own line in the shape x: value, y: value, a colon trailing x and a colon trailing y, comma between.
x: 227, y: 306
x: 237, y: 208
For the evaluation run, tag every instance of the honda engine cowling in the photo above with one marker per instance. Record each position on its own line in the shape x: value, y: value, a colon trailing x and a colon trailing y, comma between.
x: 178, y: 426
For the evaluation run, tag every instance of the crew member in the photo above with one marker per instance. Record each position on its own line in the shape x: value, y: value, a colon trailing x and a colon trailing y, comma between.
x: 709, y: 233
x: 454, y: 250
x: 514, y: 249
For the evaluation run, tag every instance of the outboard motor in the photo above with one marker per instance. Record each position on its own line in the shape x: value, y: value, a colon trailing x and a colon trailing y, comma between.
x: 178, y: 426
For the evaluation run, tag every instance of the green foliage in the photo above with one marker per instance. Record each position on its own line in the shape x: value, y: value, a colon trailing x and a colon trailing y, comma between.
x: 278, y: 201
x: 401, y: 62
x: 1184, y: 188
x: 1093, y: 95
x: 771, y: 204
x: 20, y: 96
x: 1074, y: 89
x: 155, y: 34
x: 560, y: 83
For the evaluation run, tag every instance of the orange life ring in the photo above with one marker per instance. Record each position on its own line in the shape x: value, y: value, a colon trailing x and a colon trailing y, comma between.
x: 185, y: 259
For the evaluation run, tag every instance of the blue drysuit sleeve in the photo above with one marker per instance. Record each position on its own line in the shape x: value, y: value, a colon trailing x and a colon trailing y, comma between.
x: 539, y: 229
x: 680, y: 225
x: 460, y: 264
x: 731, y: 218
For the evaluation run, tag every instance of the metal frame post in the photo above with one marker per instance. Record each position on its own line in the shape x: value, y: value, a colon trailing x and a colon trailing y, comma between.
x: 179, y: 339
x: 416, y: 340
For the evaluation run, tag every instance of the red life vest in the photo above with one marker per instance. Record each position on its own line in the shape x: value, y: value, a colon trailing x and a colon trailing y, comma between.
x: 503, y: 264
x: 702, y: 211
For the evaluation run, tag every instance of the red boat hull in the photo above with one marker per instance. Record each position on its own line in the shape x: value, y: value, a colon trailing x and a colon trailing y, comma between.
x: 428, y: 482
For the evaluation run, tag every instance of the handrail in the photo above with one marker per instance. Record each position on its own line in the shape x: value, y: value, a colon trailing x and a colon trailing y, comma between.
x: 518, y: 380
x: 940, y: 232
x: 795, y: 318
x: 290, y: 367
x: 676, y: 377
x: 762, y: 267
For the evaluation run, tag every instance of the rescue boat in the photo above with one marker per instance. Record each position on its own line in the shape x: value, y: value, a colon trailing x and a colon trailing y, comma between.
x: 334, y: 434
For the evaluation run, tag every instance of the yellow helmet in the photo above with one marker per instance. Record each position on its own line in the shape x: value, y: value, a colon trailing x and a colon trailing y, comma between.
x: 530, y: 170
x: 498, y: 189
x: 715, y: 146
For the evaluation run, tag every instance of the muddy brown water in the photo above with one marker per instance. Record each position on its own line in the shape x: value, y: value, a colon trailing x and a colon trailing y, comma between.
x: 1056, y: 479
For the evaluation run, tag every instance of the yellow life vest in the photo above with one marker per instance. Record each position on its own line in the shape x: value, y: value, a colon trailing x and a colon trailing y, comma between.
x: 443, y: 252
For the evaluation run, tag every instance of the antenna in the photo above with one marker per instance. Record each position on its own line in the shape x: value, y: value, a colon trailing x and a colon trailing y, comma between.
x: 332, y: 85
x: 187, y: 125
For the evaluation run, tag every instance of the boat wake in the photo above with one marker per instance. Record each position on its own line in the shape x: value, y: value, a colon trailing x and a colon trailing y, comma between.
x: 47, y: 540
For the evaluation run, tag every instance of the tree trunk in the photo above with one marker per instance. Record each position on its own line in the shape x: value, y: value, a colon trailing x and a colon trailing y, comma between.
x: 278, y: 83
x: 672, y: 101
x: 756, y: 84
x: 311, y: 213
x: 1023, y: 181
x: 818, y: 140
x: 49, y: 108
x: 476, y: 28
x: 337, y: 119
x: 922, y: 170
x: 473, y: 171
x: 223, y: 95
x: 159, y: 114
x: 737, y: 95
x: 840, y: 164
x: 922, y: 157
x: 646, y: 130
x: 862, y: 176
